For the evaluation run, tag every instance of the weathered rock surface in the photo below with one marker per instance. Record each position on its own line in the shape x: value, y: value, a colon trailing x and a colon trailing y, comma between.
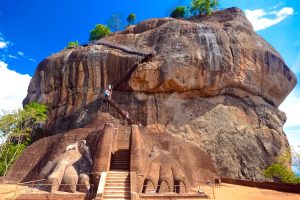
x: 213, y: 82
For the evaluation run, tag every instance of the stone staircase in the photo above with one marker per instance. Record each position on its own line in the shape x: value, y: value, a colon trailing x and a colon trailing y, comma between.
x: 120, y: 161
x: 117, y: 186
x: 118, y: 180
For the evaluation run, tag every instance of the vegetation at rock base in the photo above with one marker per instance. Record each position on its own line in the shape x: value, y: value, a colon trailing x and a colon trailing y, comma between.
x: 179, y: 12
x: 72, y: 44
x: 99, y: 32
x: 16, y: 128
x: 279, y: 171
x: 131, y: 18
x: 205, y: 7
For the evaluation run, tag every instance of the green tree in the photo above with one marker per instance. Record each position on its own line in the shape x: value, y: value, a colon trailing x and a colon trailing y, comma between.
x: 72, y: 44
x: 204, y: 7
x: 115, y: 22
x: 280, y: 170
x: 15, y: 129
x: 179, y: 12
x: 131, y: 19
x: 99, y: 32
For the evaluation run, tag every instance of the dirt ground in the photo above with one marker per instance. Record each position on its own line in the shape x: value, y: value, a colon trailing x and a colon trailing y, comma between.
x: 236, y: 192
x: 7, y: 191
x: 225, y: 192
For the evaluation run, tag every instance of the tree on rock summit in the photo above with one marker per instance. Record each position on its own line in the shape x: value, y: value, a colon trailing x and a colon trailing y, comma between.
x: 179, y: 12
x: 204, y: 7
x: 131, y: 18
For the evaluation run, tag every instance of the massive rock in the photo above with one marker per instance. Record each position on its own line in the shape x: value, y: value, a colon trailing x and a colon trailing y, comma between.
x: 212, y: 82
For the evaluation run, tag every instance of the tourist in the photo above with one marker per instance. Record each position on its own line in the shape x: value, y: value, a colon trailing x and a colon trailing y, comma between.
x: 106, y: 94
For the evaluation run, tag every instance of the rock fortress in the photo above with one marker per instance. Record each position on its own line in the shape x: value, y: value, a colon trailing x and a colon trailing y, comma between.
x: 191, y: 101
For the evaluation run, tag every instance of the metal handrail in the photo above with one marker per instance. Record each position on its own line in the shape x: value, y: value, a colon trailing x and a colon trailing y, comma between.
x: 154, y: 190
x: 34, y: 181
x: 39, y: 186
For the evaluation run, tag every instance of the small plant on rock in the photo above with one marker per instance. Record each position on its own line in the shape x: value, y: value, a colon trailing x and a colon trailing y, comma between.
x: 130, y: 19
x: 72, y: 44
x: 179, y: 12
x: 99, y: 32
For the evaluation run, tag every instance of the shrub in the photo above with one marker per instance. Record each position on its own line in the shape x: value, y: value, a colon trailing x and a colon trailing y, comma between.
x: 279, y: 172
x: 205, y: 7
x: 131, y: 18
x: 72, y: 44
x: 99, y: 32
x: 179, y: 12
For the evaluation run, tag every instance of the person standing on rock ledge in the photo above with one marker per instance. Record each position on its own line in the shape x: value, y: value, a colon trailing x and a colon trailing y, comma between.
x: 107, y: 95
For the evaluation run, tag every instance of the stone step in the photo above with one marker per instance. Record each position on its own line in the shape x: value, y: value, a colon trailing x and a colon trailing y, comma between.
x: 117, y: 192
x: 114, y: 178
x: 112, y: 182
x: 124, y: 160
x: 116, y: 187
x: 118, y: 172
x: 124, y: 176
x: 119, y: 168
x: 117, y: 182
x: 120, y: 160
x: 119, y: 163
x: 116, y: 196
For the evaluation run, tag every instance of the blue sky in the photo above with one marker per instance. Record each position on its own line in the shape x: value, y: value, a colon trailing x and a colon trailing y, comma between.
x: 34, y: 29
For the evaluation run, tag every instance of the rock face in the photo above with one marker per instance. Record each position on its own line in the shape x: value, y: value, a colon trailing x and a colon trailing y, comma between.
x: 212, y: 82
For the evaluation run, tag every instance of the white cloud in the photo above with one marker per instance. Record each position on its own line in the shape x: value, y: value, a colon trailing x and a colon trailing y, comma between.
x: 293, y: 135
x: 31, y: 59
x: 3, y: 44
x: 20, y: 53
x: 12, y: 56
x: 277, y: 5
x: 291, y: 107
x: 13, y: 88
x: 261, y: 19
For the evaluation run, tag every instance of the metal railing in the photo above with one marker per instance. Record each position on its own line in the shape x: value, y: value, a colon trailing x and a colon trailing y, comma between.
x: 121, y: 47
x: 148, y: 189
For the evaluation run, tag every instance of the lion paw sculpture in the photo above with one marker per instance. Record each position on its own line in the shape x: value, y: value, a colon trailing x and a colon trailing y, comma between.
x: 164, y: 174
x: 69, y: 170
